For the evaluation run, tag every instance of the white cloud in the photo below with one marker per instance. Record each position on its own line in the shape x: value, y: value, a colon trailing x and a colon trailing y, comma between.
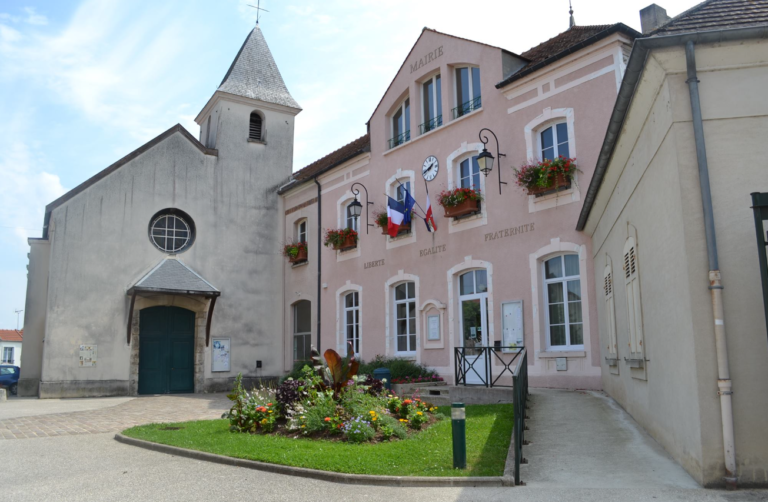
x: 25, y: 191
x: 34, y: 18
x: 108, y: 64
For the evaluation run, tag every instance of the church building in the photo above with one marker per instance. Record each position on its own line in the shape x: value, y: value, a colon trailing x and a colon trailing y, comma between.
x: 142, y: 264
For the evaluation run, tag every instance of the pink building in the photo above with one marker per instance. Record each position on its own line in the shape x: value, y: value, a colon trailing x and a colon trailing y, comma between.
x: 515, y: 272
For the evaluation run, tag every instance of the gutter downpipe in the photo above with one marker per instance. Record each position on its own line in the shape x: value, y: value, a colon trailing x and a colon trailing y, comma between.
x: 724, y: 383
x: 319, y: 255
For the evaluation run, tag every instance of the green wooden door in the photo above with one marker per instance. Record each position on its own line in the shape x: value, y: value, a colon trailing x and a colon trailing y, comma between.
x: 166, y: 350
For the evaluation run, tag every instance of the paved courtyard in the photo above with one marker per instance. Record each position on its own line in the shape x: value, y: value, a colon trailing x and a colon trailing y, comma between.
x: 94, y: 416
x: 74, y: 457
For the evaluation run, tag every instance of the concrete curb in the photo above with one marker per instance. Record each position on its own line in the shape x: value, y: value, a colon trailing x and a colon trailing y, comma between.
x: 334, y: 477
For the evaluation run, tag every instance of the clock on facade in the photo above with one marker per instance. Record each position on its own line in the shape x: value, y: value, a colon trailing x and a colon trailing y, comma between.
x: 429, y: 168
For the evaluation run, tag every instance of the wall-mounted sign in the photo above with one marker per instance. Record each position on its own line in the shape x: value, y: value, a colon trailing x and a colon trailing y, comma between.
x: 433, y: 327
x: 220, y: 354
x: 512, y: 326
x: 87, y: 356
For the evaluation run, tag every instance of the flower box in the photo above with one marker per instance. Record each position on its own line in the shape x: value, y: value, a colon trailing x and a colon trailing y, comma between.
x: 349, y: 242
x: 341, y: 239
x: 469, y: 206
x: 300, y: 257
x: 561, y: 182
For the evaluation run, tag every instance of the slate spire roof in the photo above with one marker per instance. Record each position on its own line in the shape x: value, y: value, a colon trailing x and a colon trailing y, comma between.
x: 254, y: 74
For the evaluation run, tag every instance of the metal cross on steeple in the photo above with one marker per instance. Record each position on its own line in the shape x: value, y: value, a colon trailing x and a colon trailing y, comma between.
x: 572, y: 22
x: 258, y: 8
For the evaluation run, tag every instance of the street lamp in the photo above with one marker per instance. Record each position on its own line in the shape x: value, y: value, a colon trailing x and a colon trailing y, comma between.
x: 356, y: 209
x: 485, y: 159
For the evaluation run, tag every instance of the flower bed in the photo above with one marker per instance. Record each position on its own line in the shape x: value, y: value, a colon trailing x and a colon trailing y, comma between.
x: 343, y: 238
x: 547, y: 176
x: 331, y: 403
x: 421, y: 379
x: 296, y: 252
x: 460, y: 201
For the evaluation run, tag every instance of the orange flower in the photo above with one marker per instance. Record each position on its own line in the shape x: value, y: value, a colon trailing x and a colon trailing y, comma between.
x: 327, y: 419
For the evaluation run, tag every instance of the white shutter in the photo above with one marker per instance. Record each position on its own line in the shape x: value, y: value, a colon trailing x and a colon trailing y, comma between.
x: 610, y: 315
x: 634, y: 309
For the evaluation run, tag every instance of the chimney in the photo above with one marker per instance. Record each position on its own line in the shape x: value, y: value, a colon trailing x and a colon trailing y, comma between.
x: 652, y: 17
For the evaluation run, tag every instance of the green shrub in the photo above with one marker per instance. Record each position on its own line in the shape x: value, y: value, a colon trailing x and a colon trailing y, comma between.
x: 315, y: 415
x: 358, y: 404
x: 296, y: 372
x: 399, y: 367
x: 358, y: 430
x: 390, y: 426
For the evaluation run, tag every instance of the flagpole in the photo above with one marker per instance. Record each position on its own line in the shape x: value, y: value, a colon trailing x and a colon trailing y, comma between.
x: 414, y: 200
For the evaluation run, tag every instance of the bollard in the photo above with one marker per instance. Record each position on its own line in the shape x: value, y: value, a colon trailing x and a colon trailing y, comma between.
x: 459, y: 429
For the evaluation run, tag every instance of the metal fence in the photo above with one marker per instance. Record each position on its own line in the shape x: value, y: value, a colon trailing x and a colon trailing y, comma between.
x: 520, y: 400
x: 477, y: 363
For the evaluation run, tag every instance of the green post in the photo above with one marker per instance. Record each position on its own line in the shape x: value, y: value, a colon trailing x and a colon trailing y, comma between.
x: 459, y: 427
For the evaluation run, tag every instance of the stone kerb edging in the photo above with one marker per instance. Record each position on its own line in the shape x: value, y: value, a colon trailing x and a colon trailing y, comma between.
x: 335, y: 477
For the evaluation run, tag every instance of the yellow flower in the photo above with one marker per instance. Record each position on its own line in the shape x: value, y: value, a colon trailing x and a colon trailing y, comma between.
x: 372, y: 412
x: 303, y: 426
x: 264, y: 421
x: 419, y: 413
x: 270, y: 411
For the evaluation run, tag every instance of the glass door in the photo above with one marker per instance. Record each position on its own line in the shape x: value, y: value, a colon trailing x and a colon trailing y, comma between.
x: 473, y: 301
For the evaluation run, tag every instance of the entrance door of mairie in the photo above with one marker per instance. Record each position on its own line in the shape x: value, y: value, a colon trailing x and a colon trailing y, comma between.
x: 166, y: 350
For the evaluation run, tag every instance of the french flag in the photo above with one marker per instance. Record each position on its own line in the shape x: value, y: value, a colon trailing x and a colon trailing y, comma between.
x: 428, y: 219
x: 395, y: 215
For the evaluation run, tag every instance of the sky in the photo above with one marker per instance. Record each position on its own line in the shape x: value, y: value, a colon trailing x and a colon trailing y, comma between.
x: 83, y: 83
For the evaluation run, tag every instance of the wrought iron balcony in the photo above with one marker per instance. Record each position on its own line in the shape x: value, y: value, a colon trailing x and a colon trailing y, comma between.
x: 465, y: 108
x: 431, y: 124
x: 400, y: 139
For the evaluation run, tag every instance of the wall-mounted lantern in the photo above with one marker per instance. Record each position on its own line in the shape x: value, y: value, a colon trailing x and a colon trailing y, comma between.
x: 485, y: 159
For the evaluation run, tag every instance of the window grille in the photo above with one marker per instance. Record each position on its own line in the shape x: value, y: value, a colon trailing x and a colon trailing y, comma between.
x: 255, y: 129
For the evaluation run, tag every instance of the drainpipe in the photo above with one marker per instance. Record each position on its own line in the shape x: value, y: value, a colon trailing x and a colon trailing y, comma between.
x: 319, y: 254
x: 715, y: 287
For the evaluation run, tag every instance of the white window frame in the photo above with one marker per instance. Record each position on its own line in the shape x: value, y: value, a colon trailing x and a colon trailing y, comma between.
x: 411, y: 350
x: 7, y: 350
x: 356, y: 325
x: 436, y: 101
x: 349, y: 220
x: 401, y: 108
x: 481, y: 186
x: 610, y: 308
x: 556, y: 143
x: 471, y: 88
x: 305, y: 223
x: 296, y: 324
x: 564, y: 281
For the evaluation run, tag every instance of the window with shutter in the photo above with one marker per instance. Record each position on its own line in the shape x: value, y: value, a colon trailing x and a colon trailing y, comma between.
x: 255, y: 128
x: 634, y: 310
x: 610, y: 314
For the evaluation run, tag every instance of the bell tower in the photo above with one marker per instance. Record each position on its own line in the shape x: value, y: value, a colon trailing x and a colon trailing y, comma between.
x: 250, y: 117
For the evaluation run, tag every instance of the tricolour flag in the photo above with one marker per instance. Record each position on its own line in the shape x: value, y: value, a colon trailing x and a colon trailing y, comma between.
x: 428, y: 219
x: 395, y: 216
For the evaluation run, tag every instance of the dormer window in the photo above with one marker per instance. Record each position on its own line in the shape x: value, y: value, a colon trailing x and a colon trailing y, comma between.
x: 255, y: 130
x: 467, y: 91
x: 401, y: 124
x: 433, y: 105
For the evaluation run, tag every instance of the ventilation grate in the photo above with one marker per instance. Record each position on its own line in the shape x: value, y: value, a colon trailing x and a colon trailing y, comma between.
x: 255, y: 129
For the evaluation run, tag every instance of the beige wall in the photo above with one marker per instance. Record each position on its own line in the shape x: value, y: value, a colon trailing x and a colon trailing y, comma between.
x: 652, y: 184
x: 35, y: 316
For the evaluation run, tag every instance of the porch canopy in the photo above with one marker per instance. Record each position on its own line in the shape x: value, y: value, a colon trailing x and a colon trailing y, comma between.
x: 173, y: 277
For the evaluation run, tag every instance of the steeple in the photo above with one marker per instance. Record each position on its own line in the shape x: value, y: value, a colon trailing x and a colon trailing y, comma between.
x: 254, y: 74
x: 572, y: 21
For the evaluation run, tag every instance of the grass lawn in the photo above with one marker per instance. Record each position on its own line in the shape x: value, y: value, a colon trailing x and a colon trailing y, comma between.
x: 428, y: 453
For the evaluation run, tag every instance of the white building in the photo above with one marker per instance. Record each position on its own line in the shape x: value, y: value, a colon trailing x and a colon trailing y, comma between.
x: 10, y: 346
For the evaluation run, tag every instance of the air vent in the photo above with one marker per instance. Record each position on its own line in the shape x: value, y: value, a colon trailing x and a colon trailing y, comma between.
x: 255, y: 129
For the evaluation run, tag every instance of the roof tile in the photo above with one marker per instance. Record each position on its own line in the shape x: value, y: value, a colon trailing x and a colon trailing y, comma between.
x: 11, y: 335
x: 717, y: 15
